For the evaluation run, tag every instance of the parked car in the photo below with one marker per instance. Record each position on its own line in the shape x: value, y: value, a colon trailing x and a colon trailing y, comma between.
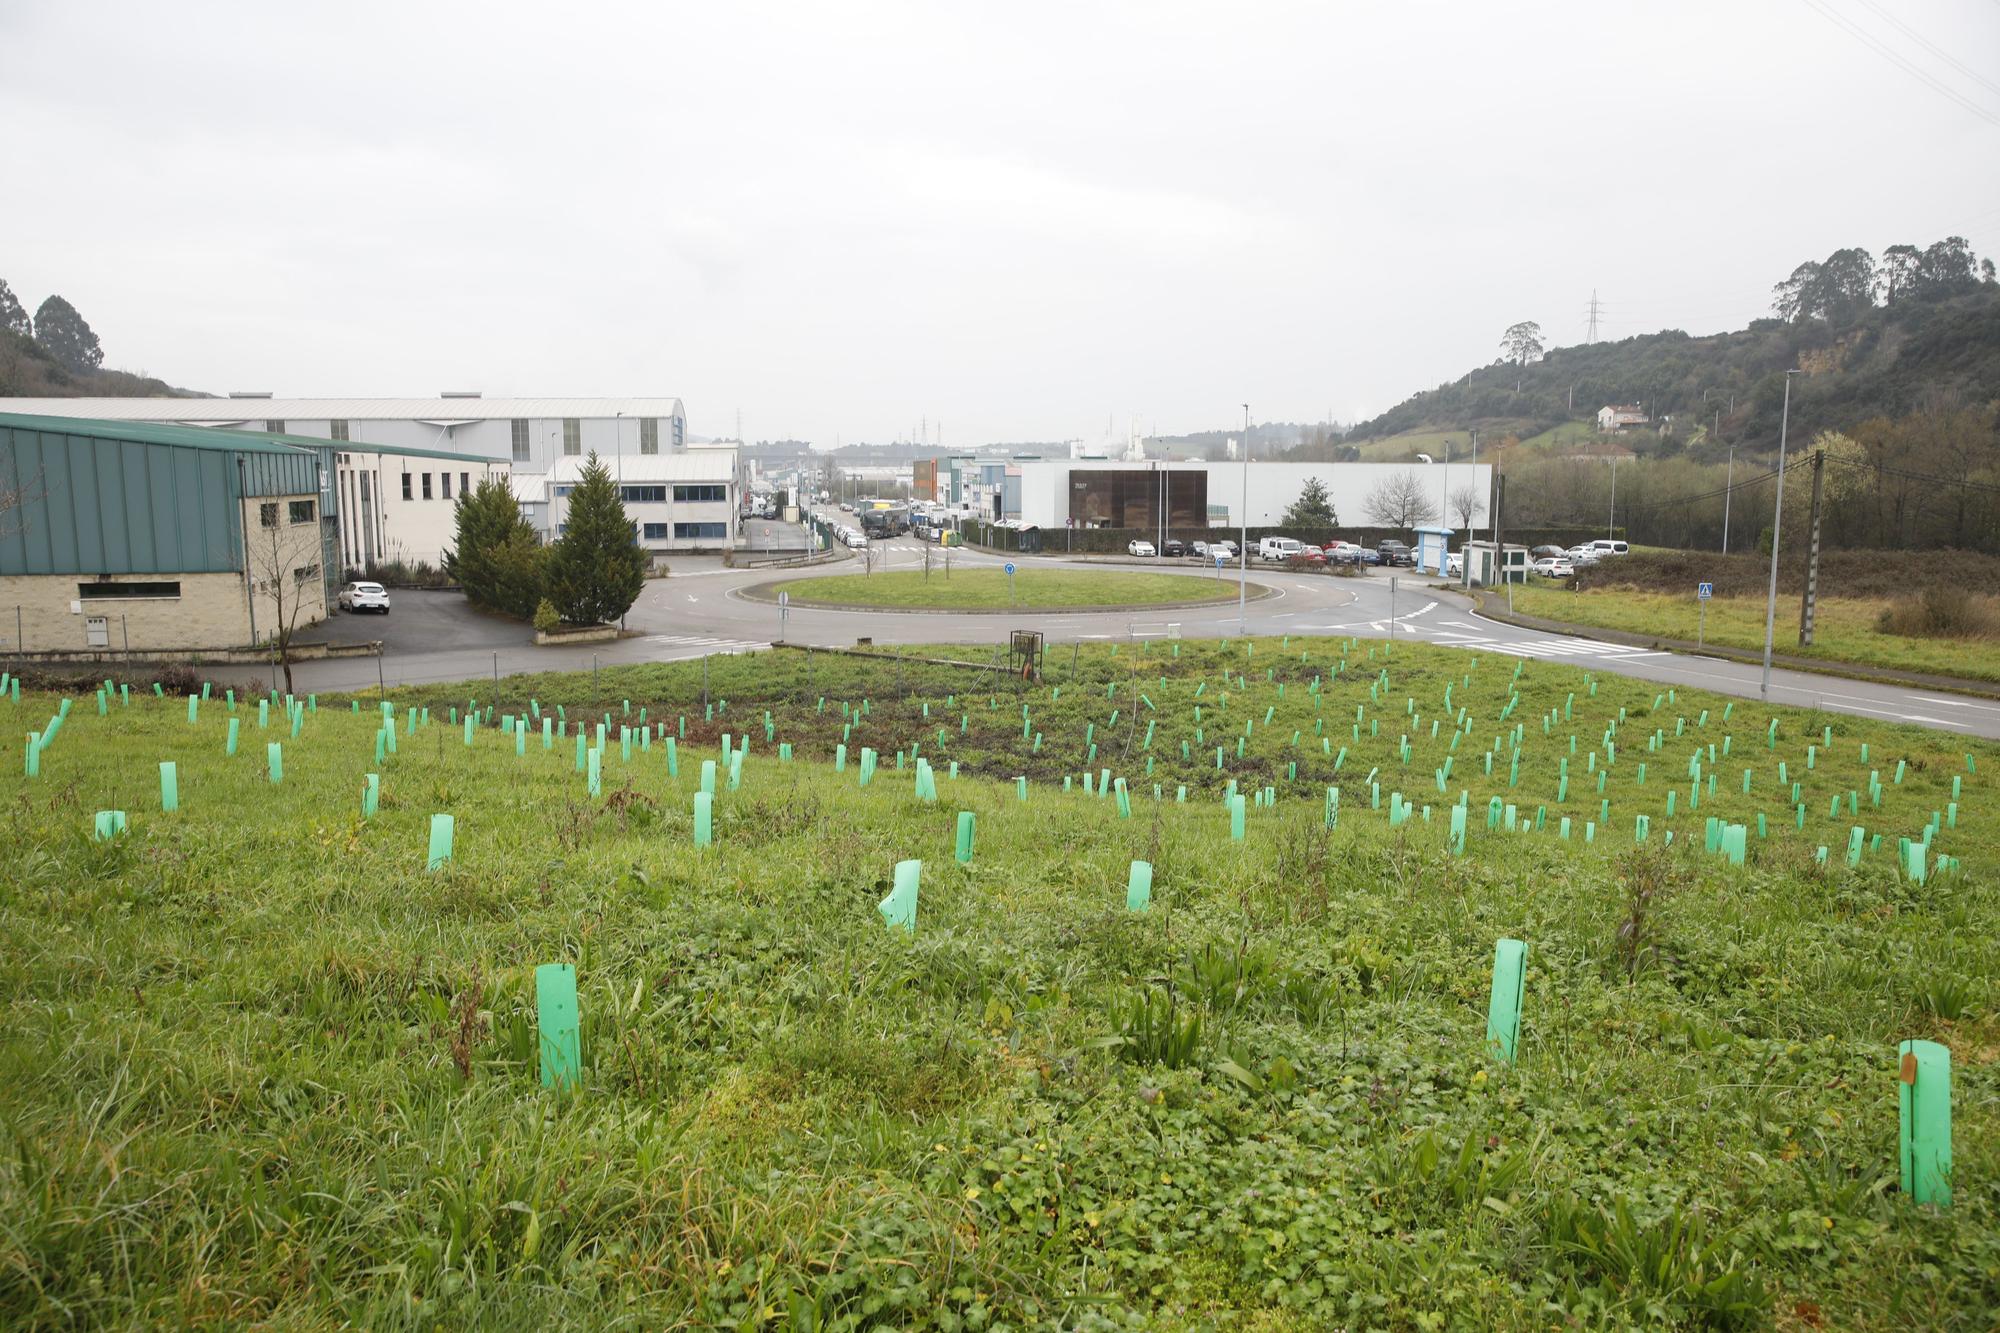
x: 1199, y: 550
x: 1276, y: 550
x: 1541, y: 552
x: 1454, y: 565
x: 1173, y: 547
x: 1554, y: 567
x: 1225, y: 549
x: 1395, y: 553
x: 1344, y: 553
x: 1312, y: 555
x: 359, y: 597
x: 1581, y: 556
x: 1605, y: 546
x: 1139, y: 546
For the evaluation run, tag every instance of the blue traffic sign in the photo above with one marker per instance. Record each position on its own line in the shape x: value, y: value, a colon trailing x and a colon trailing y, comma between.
x: 1220, y: 559
x: 1704, y: 591
x: 1010, y: 566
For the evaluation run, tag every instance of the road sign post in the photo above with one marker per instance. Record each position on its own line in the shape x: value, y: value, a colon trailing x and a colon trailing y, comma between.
x: 784, y: 609
x: 1010, y: 583
x: 1702, y: 592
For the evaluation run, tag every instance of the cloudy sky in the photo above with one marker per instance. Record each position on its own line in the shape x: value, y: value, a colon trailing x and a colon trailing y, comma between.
x: 1018, y: 220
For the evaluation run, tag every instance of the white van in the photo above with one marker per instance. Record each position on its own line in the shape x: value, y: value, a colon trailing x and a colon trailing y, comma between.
x: 1605, y: 547
x: 1276, y: 550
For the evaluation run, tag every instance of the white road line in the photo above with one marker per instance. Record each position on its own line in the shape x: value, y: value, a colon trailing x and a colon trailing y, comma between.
x: 1958, y: 703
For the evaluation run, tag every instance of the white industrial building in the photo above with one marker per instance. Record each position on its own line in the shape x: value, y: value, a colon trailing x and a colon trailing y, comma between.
x: 407, y: 460
x: 1097, y: 492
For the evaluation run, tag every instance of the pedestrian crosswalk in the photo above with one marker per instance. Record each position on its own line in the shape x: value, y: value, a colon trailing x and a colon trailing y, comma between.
x: 673, y: 646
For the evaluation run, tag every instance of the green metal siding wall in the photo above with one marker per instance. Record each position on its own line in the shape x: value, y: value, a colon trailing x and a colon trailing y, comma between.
x: 100, y: 505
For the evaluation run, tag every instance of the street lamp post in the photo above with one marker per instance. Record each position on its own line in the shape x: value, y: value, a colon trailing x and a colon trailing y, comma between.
x: 1777, y: 526
x: 1243, y: 564
x: 1611, y: 522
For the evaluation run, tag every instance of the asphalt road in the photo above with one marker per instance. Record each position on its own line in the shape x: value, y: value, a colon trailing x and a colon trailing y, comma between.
x: 698, y: 611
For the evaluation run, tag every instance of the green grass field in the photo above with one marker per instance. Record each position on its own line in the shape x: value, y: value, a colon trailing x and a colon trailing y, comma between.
x: 263, y: 1067
x: 987, y: 589
x: 1843, y: 628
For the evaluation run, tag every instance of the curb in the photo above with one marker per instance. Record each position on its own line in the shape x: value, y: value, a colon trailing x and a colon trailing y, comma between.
x: 754, y: 593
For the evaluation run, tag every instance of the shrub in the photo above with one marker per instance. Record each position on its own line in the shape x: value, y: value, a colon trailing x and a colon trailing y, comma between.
x: 1940, y: 612
x: 596, y: 569
x: 546, y: 619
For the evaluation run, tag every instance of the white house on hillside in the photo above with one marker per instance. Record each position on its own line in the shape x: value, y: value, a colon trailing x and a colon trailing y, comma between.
x: 1612, y: 419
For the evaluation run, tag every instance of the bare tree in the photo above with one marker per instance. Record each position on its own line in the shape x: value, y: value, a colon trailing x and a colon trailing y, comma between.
x: 285, y: 570
x: 1468, y: 504
x: 1400, y: 500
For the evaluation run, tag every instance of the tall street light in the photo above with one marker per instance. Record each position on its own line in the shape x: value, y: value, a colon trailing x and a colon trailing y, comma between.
x: 1243, y: 561
x: 1777, y: 526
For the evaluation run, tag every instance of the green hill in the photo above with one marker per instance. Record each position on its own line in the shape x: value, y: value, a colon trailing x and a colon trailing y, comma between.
x: 1878, y: 362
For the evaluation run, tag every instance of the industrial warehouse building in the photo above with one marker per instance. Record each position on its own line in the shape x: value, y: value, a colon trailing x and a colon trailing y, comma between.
x: 141, y: 536
x: 401, y: 463
x: 1105, y: 493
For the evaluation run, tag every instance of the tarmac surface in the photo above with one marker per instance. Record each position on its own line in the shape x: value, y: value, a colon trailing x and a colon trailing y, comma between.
x: 698, y: 610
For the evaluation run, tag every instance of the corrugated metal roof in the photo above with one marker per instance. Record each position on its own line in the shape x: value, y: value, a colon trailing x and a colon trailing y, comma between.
x: 529, y: 489
x: 130, y: 498
x: 437, y: 410
x: 366, y: 447
x: 146, y: 432
x: 706, y: 465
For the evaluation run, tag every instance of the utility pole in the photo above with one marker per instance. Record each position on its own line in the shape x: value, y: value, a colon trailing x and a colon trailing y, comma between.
x: 1611, y: 522
x: 1777, y: 533
x: 1806, y: 606
x: 1591, y: 335
x: 1243, y: 565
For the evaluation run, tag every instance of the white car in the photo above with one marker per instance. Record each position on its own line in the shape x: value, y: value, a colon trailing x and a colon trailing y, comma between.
x: 1225, y: 549
x: 1140, y: 547
x: 364, y: 597
x: 1454, y: 565
x: 1554, y: 567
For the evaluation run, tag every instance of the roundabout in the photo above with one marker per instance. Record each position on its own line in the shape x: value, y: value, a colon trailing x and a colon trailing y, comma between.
x: 988, y: 590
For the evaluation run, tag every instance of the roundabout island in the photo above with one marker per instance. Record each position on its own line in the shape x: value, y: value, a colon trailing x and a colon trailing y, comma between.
x: 991, y: 590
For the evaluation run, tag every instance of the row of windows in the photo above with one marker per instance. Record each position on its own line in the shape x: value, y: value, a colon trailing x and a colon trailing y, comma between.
x: 302, y: 511
x: 701, y: 531
x: 572, y: 437
x: 444, y: 482
x: 658, y: 494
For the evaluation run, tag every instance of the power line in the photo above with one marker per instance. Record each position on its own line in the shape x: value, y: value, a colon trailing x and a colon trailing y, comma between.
x: 1932, y: 47
x: 1908, y: 475
x: 1826, y: 11
x: 1595, y: 310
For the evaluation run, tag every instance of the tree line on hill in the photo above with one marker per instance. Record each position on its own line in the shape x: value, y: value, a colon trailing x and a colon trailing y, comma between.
x: 56, y: 354
x: 591, y: 574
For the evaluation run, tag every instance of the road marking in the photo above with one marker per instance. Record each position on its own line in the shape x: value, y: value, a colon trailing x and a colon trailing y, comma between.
x: 1958, y: 703
x: 695, y: 643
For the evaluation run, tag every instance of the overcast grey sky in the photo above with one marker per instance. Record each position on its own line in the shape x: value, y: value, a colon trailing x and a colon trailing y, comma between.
x: 1017, y: 219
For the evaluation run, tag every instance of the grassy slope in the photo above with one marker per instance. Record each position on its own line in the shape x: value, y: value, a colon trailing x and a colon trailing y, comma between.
x: 1843, y: 629
x: 232, y: 1093
x: 986, y: 589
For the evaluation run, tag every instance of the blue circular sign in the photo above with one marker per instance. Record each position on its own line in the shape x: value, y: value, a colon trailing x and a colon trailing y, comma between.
x: 1010, y: 566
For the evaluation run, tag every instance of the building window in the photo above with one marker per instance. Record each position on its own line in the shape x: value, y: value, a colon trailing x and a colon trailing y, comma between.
x: 562, y: 492
x: 304, y: 574
x: 267, y: 513
x: 427, y: 485
x: 464, y: 482
x: 406, y: 485
x: 643, y: 494
x: 98, y: 592
x: 302, y: 511
x: 701, y: 531
x: 444, y: 483
x: 701, y: 494
x: 649, y: 435
x: 336, y: 430
x: 678, y: 427
x: 520, y: 440
x: 275, y: 427
x: 572, y: 437
x: 656, y: 532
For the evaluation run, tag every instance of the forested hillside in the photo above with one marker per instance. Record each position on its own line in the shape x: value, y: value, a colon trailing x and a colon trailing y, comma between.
x: 1873, y: 340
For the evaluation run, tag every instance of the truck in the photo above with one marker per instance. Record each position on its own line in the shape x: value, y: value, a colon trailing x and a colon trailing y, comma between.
x: 892, y: 521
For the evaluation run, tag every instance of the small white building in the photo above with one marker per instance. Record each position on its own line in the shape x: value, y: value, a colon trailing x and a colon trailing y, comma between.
x: 1611, y: 419
x: 677, y: 502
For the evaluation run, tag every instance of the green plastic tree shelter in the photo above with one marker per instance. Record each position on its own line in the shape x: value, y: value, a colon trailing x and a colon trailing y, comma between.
x: 556, y: 1016
x: 1503, y: 1012
x: 1923, y: 1100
